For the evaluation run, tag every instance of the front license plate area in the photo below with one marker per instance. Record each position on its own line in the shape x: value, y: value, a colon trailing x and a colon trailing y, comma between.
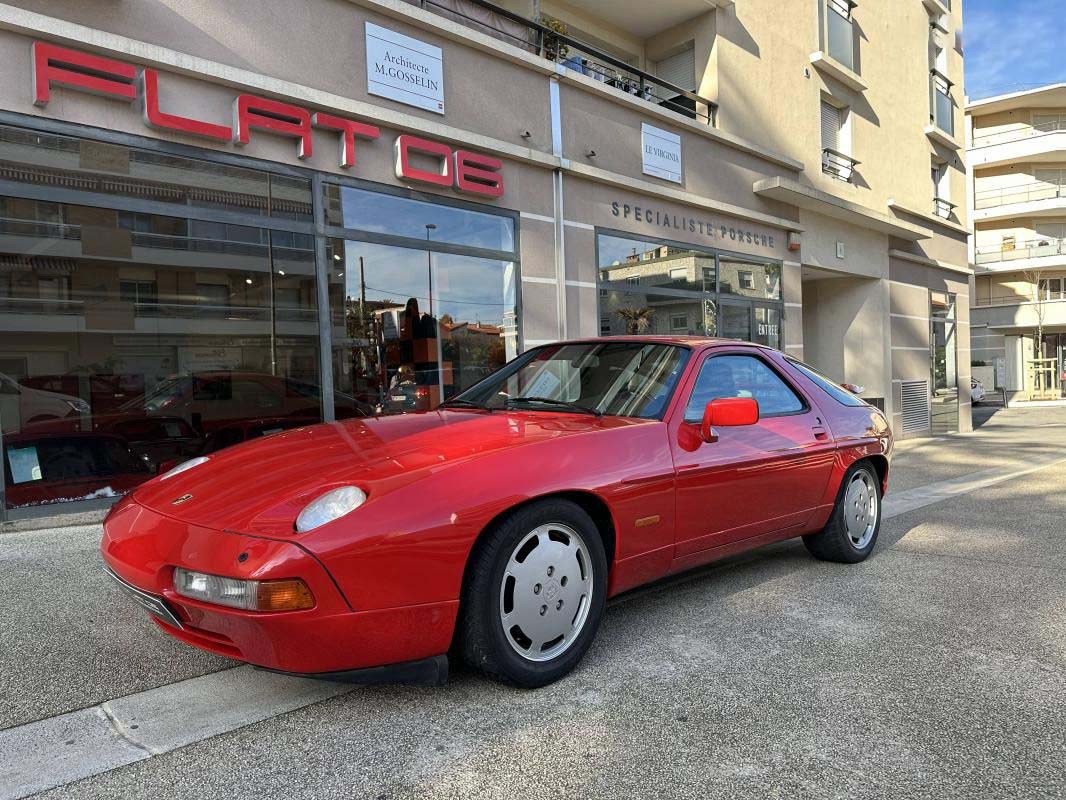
x: 153, y: 604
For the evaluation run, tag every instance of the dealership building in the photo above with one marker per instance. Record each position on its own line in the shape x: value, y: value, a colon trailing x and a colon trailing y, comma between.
x: 219, y: 220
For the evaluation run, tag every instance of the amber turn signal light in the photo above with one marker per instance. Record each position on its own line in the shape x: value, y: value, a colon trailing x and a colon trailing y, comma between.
x: 284, y: 595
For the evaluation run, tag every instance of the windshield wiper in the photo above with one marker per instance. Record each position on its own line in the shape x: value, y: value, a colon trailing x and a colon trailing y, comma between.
x: 458, y: 402
x: 560, y: 403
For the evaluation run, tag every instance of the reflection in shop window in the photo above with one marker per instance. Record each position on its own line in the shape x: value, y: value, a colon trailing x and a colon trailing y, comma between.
x: 129, y: 341
x: 359, y: 209
x: 68, y: 162
x: 413, y: 327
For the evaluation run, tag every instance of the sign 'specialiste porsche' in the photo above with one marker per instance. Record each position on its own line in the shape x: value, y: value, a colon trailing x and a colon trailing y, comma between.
x: 496, y: 526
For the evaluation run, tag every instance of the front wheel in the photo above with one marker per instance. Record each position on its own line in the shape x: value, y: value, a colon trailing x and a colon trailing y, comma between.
x: 851, y: 533
x: 535, y: 594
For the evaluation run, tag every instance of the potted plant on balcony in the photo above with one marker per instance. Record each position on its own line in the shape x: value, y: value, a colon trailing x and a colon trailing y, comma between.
x: 553, y: 48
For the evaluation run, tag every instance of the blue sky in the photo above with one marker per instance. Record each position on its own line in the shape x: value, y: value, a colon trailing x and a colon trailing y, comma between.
x: 1012, y: 45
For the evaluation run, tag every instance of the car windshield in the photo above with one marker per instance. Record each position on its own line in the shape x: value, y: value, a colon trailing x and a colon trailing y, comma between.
x: 624, y: 379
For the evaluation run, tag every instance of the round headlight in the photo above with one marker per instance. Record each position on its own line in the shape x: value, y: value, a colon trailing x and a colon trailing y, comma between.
x: 184, y: 465
x: 329, y: 507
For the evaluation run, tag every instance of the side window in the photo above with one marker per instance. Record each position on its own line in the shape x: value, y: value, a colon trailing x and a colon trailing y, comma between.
x: 741, y: 376
x: 838, y: 393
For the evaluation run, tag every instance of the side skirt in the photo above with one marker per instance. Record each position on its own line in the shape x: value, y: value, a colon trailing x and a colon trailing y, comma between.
x: 432, y: 671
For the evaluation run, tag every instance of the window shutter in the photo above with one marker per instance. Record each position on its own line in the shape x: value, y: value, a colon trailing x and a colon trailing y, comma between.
x: 830, y: 126
x: 1050, y: 176
x: 679, y: 69
x: 1051, y: 230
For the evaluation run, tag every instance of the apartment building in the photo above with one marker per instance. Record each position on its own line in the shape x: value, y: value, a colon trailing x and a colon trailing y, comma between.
x: 219, y: 220
x: 1017, y: 154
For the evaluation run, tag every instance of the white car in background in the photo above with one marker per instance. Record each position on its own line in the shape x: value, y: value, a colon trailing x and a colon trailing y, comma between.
x: 38, y: 405
x: 977, y: 391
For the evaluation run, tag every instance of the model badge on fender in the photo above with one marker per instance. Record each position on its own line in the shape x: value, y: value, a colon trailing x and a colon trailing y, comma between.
x: 179, y: 500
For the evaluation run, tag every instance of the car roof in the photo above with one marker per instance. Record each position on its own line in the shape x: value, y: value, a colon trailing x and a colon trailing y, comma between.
x: 694, y: 342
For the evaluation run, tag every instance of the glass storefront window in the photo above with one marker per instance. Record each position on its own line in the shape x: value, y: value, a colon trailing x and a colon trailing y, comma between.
x: 412, y: 327
x: 129, y: 341
x: 651, y: 265
x: 648, y: 286
x: 756, y: 279
x: 375, y: 212
x: 67, y: 162
x: 630, y: 313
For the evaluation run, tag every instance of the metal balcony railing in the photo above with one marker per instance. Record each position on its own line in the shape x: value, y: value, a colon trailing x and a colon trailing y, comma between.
x: 1026, y: 193
x: 943, y: 208
x: 575, y: 55
x: 1020, y: 133
x: 840, y: 32
x: 838, y: 165
x: 943, y: 107
x: 1035, y: 248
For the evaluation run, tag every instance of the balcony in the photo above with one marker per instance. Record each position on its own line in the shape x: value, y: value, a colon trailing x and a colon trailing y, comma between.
x: 1032, y: 143
x: 1034, y: 199
x: 942, y: 111
x: 838, y: 165
x: 943, y: 208
x: 1033, y: 254
x: 575, y: 55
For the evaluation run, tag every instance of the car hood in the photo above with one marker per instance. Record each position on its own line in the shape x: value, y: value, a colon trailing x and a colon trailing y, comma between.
x: 261, y: 486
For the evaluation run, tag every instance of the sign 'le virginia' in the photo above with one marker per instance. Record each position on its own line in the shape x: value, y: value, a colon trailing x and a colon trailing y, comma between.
x: 463, y: 170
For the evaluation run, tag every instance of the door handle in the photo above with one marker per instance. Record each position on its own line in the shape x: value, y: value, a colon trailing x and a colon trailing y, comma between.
x: 819, y: 432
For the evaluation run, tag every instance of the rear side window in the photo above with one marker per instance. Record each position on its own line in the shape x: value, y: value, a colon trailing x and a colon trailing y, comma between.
x: 834, y: 390
x: 742, y: 376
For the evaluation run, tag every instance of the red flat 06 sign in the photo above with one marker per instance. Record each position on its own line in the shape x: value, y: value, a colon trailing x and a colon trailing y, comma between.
x: 418, y: 160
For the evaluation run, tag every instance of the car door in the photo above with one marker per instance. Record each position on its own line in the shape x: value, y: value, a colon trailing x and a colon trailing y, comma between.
x: 755, y: 479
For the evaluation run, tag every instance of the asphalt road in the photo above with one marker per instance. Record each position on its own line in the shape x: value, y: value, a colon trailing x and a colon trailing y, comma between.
x: 937, y: 669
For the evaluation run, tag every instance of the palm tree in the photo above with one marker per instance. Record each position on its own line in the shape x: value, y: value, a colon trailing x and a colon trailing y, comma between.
x: 638, y: 320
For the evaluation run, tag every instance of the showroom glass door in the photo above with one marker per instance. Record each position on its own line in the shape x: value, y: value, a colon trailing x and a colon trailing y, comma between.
x: 423, y: 299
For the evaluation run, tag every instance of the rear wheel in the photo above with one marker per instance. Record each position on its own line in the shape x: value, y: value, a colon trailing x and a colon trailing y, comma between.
x: 851, y: 533
x: 535, y: 594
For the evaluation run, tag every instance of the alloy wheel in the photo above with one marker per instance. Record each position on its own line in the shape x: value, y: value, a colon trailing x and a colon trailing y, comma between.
x: 860, y: 510
x: 546, y: 592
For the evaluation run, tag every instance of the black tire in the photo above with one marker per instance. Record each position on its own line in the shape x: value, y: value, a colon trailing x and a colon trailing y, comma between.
x: 484, y: 642
x: 834, y: 542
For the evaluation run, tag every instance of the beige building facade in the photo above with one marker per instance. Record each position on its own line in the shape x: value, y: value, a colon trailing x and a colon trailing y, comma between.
x: 1017, y: 196
x: 233, y: 218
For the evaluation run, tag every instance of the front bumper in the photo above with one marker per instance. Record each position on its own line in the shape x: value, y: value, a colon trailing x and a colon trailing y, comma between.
x: 141, y: 548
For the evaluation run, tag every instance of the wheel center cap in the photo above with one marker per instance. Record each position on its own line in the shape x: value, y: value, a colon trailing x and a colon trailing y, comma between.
x: 551, y: 588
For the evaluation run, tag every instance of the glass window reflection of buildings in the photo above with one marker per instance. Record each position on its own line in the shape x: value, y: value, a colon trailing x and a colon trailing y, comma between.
x: 650, y: 287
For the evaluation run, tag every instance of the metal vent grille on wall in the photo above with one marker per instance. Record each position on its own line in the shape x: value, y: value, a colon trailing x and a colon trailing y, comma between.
x: 915, y: 405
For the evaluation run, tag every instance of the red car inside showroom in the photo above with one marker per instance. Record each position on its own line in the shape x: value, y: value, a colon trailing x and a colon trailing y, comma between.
x: 495, y: 527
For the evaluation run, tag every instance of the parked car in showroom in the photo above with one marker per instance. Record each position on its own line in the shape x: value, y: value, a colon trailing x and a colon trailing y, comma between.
x: 32, y: 406
x: 496, y: 526
x: 211, y: 400
x: 42, y: 468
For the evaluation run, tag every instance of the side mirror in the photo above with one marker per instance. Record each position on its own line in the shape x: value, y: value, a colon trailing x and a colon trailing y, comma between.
x: 728, y: 412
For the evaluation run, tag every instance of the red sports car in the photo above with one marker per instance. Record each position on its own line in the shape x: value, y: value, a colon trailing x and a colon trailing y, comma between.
x: 496, y: 527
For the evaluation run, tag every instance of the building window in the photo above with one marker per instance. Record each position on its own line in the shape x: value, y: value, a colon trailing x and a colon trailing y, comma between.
x: 838, y: 27
x: 941, y: 179
x: 605, y: 325
x: 836, y: 141
x: 747, y: 307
